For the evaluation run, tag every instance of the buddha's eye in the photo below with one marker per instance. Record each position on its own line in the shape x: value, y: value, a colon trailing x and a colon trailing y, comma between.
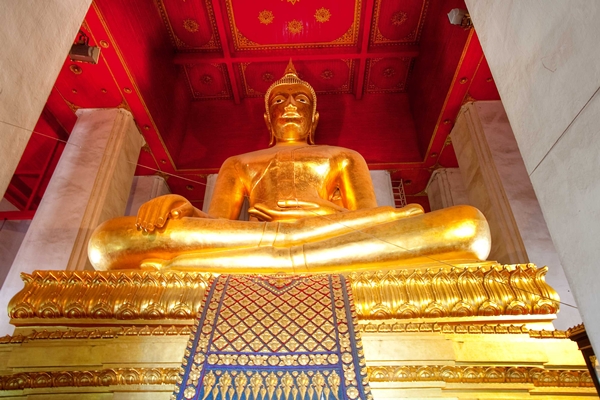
x: 277, y: 100
x: 302, y: 99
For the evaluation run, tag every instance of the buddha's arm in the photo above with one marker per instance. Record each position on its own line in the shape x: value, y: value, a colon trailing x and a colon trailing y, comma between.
x: 355, y: 182
x: 229, y: 192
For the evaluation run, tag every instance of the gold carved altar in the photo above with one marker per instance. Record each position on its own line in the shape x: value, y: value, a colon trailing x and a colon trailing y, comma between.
x: 426, y: 333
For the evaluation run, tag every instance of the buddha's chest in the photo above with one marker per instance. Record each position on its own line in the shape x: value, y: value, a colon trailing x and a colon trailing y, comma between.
x: 290, y: 173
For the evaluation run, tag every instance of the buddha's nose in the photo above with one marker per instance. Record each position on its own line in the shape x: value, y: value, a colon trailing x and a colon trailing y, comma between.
x: 290, y: 107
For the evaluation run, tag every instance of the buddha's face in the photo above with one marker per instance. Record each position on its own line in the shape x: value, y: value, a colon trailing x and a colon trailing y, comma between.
x: 291, y: 113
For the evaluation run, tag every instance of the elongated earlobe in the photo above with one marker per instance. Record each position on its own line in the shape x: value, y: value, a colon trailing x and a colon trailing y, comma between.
x: 270, y: 129
x: 313, y: 128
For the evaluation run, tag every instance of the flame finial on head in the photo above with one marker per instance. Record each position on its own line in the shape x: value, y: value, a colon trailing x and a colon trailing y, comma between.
x: 290, y: 77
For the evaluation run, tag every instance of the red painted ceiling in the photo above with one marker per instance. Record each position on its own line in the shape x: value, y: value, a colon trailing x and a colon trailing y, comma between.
x: 390, y: 76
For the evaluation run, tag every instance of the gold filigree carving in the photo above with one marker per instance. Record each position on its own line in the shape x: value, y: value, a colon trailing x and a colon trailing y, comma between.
x: 294, y: 26
x: 45, y: 334
x: 292, y: 1
x: 347, y: 37
x: 456, y: 292
x: 399, y: 327
x: 244, y: 41
x: 302, y: 385
x: 544, y: 334
x: 398, y: 18
x: 453, y: 292
x: 266, y: 17
x: 322, y: 15
x: 103, y: 377
x: 191, y: 25
x: 130, y: 295
x: 480, y: 374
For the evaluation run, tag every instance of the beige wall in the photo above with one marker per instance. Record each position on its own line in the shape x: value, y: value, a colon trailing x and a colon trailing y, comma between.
x: 545, y: 60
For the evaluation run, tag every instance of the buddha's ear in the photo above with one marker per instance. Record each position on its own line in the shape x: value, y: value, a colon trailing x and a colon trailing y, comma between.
x: 315, y: 122
x: 270, y: 129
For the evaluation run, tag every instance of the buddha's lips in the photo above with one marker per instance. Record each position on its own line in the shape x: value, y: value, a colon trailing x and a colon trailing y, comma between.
x: 291, y: 114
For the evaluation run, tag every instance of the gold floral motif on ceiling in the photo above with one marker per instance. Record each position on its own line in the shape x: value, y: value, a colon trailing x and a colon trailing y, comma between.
x: 295, y: 26
x: 191, y: 25
x: 399, y: 18
x: 322, y: 15
x: 266, y: 17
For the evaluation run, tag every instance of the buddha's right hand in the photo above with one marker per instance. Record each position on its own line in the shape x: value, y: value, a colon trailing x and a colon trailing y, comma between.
x: 154, y: 213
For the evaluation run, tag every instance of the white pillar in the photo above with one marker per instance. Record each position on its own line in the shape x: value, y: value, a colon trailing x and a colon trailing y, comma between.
x: 446, y: 189
x: 36, y: 37
x: 545, y: 60
x: 11, y: 237
x: 143, y: 189
x: 497, y: 183
x: 91, y: 184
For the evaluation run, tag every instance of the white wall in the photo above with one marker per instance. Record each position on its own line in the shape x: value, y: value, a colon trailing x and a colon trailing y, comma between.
x: 545, y: 60
x: 36, y: 37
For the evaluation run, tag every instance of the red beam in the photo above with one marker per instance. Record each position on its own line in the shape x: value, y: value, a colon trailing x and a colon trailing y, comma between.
x: 16, y: 215
x: 36, y: 187
x: 226, y: 53
x: 206, y: 58
x: 364, y: 47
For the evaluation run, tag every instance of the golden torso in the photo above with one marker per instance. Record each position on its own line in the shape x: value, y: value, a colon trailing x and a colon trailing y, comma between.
x: 291, y: 172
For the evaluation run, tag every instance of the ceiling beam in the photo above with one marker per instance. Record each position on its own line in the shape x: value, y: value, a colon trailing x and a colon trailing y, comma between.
x: 364, y: 47
x: 16, y: 215
x: 206, y: 58
x: 226, y: 59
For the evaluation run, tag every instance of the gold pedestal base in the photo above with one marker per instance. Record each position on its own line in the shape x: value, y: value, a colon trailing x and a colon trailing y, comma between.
x: 482, y: 331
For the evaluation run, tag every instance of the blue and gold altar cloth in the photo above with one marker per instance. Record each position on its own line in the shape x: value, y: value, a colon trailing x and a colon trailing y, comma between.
x: 275, y: 337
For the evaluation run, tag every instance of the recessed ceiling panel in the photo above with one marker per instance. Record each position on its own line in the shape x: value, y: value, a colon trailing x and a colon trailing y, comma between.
x: 398, y: 21
x: 387, y: 74
x: 284, y: 24
x: 191, y: 24
x: 208, y: 81
x: 326, y: 77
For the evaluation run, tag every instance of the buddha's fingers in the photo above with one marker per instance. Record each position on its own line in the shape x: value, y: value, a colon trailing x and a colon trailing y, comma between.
x: 410, y: 210
x: 259, y: 214
x: 153, y: 264
x: 291, y: 203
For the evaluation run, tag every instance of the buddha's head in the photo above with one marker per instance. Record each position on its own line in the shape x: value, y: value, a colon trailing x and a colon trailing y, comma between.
x: 291, y: 109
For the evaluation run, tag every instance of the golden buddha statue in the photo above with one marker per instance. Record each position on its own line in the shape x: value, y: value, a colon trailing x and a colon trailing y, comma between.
x: 312, y: 209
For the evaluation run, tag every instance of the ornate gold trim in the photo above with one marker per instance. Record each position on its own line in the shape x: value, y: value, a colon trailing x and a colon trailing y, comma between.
x: 103, y: 377
x: 240, y: 42
x: 491, y: 290
x: 75, y: 297
x: 377, y: 39
x: 539, y: 377
x: 544, y: 334
x: 398, y: 327
x: 56, y: 334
